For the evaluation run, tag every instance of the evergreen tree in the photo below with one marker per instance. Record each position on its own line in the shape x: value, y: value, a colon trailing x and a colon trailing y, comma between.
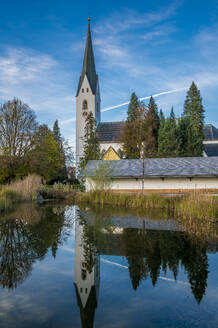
x: 188, y: 141
x: 133, y: 105
x: 194, y: 110
x: 56, y: 131
x: 133, y: 134
x: 151, y: 124
x: 167, y: 136
x: 91, y: 142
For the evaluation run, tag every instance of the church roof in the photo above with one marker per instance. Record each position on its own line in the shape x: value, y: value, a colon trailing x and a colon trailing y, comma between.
x: 88, y: 65
x: 110, y: 131
x: 211, y: 133
x: 211, y: 149
x: 160, y: 167
x: 87, y: 313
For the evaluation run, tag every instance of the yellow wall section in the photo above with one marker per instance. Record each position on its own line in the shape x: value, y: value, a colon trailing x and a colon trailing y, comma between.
x: 111, y: 155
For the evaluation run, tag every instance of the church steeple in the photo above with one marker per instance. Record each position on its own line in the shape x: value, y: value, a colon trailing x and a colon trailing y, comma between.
x: 88, y: 68
x: 88, y: 95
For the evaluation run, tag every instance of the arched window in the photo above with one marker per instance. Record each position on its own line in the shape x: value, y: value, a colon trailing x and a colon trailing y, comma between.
x: 82, y: 90
x: 87, y: 89
x: 85, y: 105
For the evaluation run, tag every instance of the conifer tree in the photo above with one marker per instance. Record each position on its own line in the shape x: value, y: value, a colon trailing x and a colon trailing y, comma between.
x: 167, y: 137
x: 189, y: 144
x: 193, y: 109
x: 56, y: 131
x: 91, y: 142
x: 133, y: 105
x: 151, y: 123
x: 133, y: 135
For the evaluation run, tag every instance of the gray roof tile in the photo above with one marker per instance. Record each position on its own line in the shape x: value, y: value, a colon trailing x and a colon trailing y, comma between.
x: 160, y: 167
x: 110, y: 131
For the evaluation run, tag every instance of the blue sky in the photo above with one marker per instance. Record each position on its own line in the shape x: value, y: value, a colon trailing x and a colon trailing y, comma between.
x: 142, y: 46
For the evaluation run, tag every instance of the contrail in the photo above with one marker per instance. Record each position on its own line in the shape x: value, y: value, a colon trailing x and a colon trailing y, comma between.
x: 144, y: 98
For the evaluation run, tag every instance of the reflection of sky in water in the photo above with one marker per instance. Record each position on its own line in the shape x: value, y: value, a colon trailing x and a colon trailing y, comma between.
x: 47, y: 297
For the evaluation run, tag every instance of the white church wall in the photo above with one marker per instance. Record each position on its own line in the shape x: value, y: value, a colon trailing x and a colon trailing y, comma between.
x: 80, y: 119
x: 160, y: 184
x: 84, y: 285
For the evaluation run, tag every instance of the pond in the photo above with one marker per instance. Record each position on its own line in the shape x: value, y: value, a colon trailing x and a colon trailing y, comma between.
x: 65, y: 266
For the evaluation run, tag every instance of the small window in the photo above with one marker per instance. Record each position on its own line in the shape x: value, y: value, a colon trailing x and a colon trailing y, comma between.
x: 82, y: 90
x: 85, y: 105
x: 87, y: 89
x: 81, y: 290
x: 86, y: 290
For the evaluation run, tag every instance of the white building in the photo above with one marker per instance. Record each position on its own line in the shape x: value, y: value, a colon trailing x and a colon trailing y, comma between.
x: 167, y: 175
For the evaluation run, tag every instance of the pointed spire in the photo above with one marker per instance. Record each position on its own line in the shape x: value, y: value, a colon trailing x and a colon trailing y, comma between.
x: 88, y: 64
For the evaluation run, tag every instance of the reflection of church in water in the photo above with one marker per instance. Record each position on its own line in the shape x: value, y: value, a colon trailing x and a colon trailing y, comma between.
x: 87, y: 276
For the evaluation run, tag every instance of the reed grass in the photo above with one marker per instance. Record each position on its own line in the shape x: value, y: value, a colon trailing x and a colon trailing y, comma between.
x: 193, y: 205
x: 25, y: 189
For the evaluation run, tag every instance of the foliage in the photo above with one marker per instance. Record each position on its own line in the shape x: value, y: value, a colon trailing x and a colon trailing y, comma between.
x: 133, y: 134
x: 152, y: 123
x: 132, y: 108
x: 56, y: 132
x: 167, y: 136
x: 17, y: 128
x: 90, y: 142
x: 102, y: 176
x: 46, y: 158
x: 193, y: 109
x: 188, y: 141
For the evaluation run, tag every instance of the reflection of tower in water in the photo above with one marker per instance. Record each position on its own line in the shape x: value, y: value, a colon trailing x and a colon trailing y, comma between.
x: 87, y: 276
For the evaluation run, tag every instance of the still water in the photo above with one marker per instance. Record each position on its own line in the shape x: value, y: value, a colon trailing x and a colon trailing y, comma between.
x: 65, y: 266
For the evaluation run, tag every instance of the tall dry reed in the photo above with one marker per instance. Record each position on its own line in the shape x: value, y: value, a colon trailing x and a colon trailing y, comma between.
x: 25, y: 188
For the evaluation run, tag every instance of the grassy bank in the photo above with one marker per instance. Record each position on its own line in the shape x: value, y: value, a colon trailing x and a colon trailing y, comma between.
x: 58, y: 191
x: 194, y: 205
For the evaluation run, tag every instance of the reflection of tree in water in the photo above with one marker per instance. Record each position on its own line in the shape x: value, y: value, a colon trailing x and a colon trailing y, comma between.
x: 90, y: 234
x: 22, y: 243
x: 149, y: 252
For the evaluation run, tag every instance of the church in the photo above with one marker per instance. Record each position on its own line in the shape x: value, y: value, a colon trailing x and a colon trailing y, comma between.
x: 151, y: 175
x: 88, y: 99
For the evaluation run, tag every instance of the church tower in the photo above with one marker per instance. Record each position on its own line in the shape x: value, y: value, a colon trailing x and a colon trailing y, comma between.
x: 87, y: 276
x: 88, y: 95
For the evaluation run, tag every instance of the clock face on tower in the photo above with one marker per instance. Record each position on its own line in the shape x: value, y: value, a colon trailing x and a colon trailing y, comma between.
x: 85, y: 114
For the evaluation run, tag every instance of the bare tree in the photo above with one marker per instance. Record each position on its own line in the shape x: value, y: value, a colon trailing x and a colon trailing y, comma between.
x: 17, y: 127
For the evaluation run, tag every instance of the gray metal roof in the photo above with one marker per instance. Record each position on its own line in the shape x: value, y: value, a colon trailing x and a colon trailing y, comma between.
x: 211, y: 149
x: 88, y: 65
x: 210, y: 132
x: 110, y: 131
x: 160, y: 167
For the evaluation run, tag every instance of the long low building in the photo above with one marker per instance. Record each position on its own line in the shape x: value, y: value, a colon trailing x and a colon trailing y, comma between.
x: 157, y: 174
